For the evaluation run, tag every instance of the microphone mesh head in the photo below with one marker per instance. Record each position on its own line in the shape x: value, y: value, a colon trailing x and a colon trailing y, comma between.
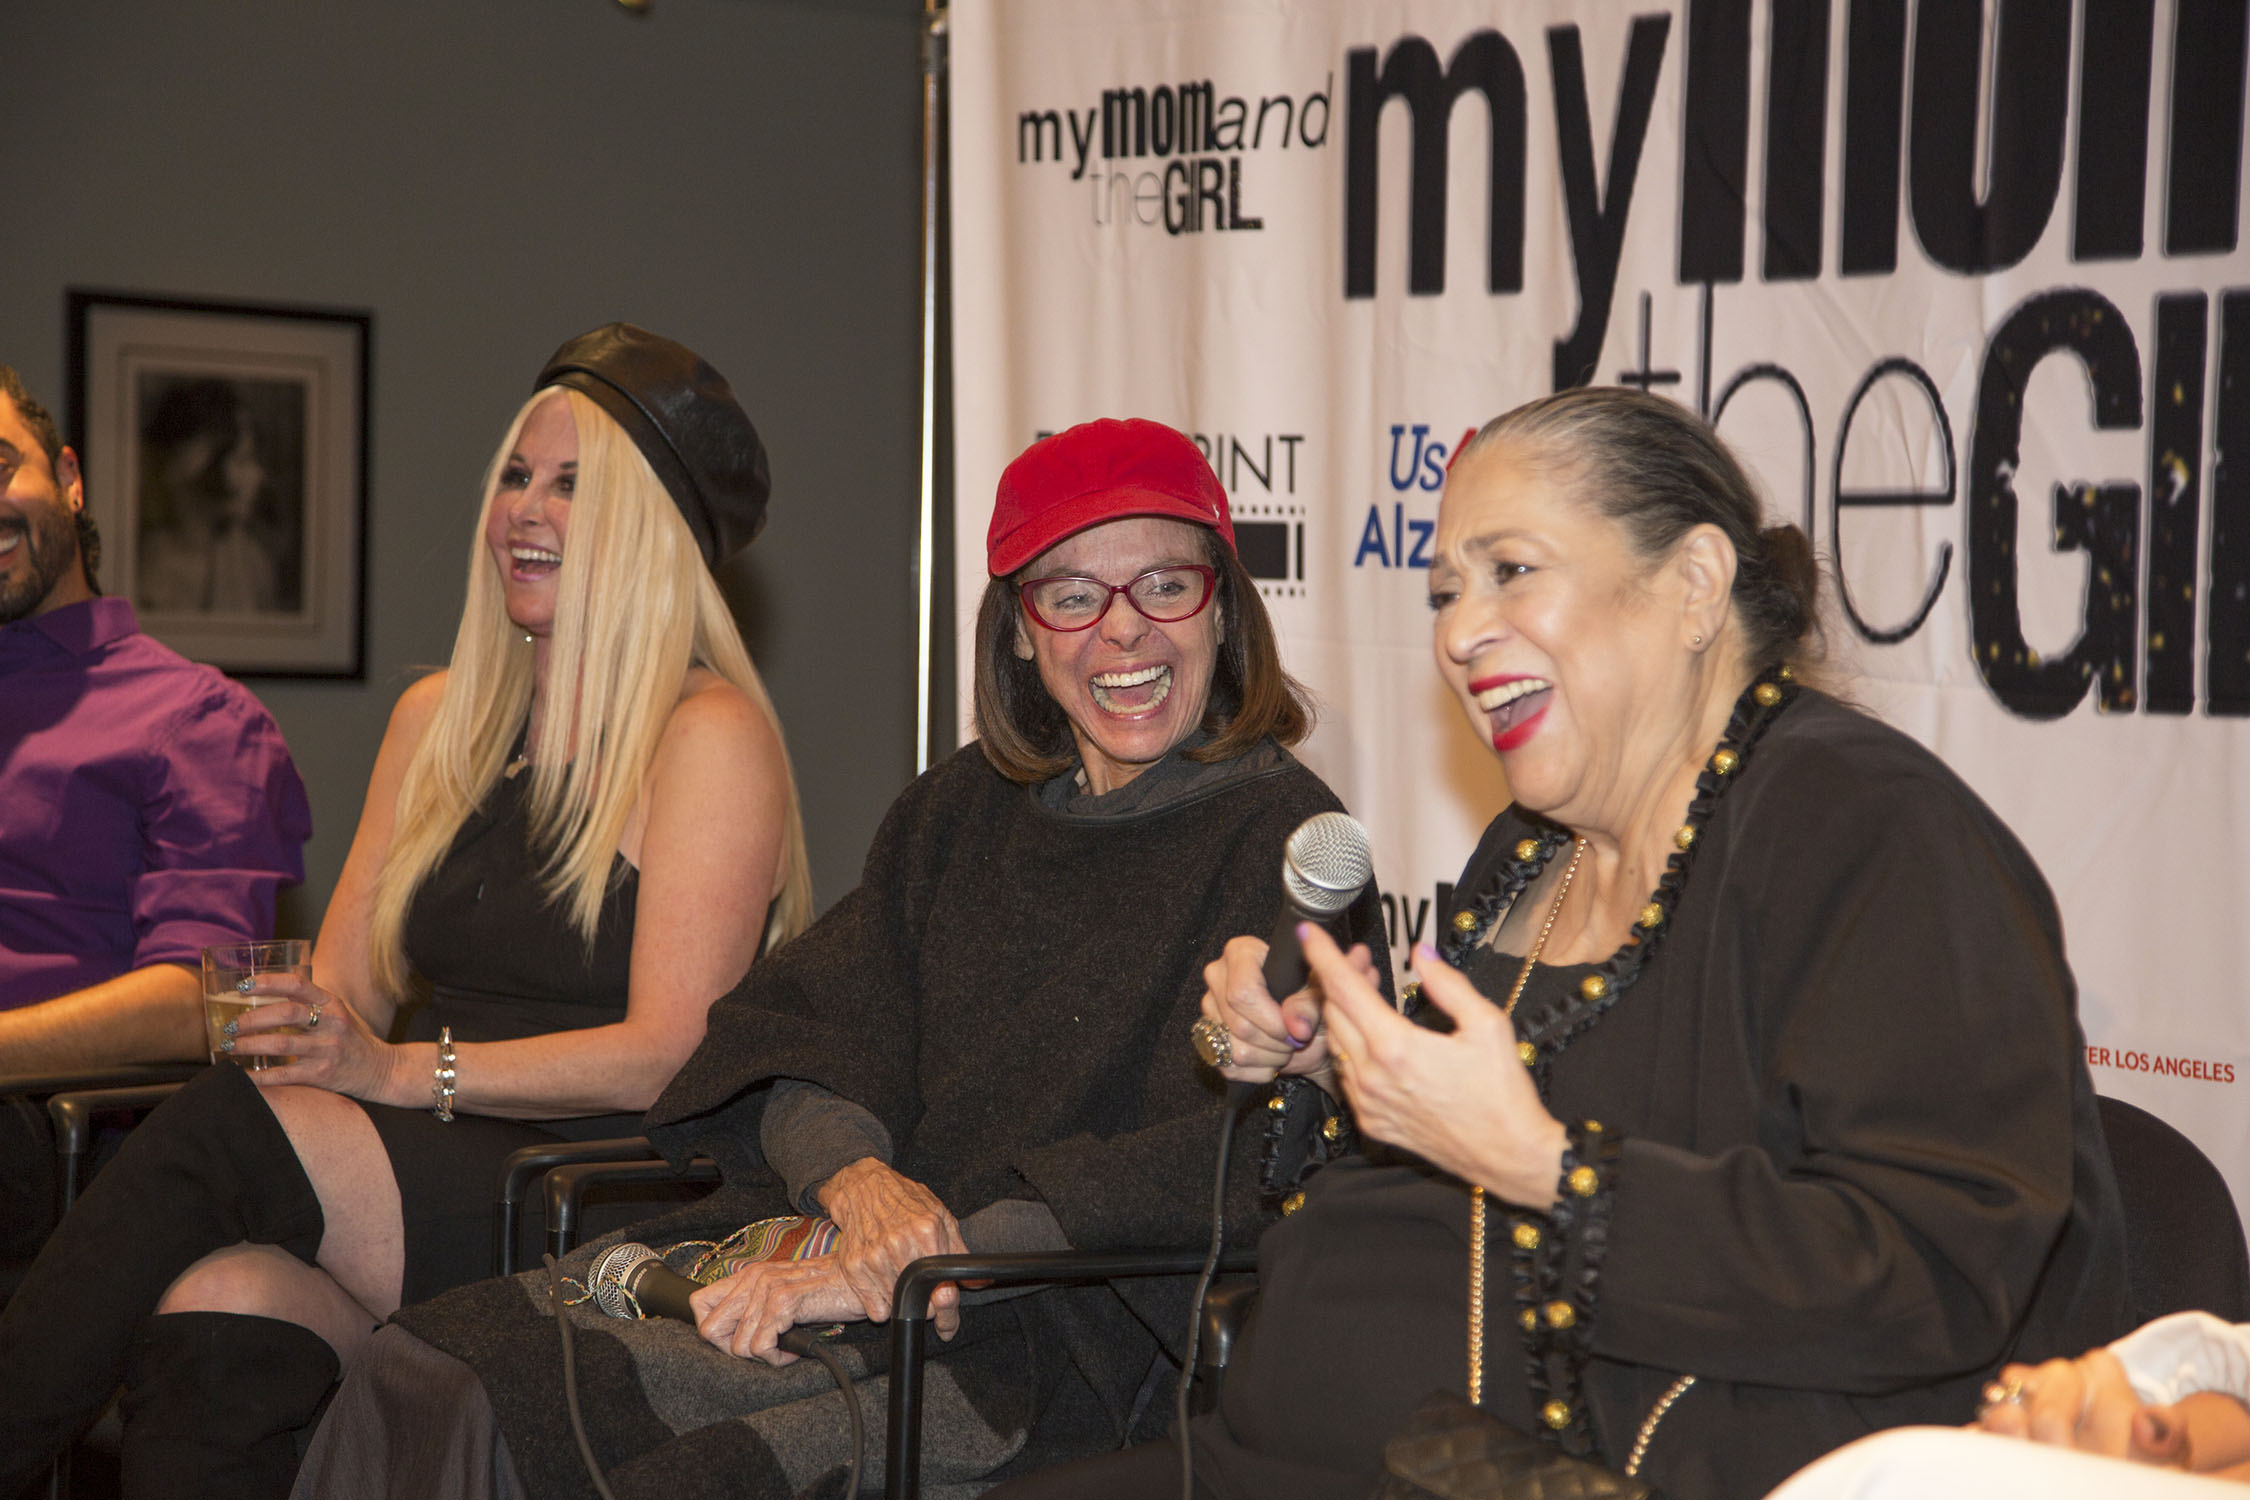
x: 1327, y: 864
x: 607, y: 1281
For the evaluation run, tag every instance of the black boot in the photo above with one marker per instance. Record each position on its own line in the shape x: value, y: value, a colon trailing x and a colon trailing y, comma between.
x: 215, y: 1402
x: 211, y: 1167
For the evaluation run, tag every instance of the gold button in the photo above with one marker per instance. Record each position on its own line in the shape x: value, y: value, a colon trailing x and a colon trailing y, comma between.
x: 1332, y: 1129
x: 1685, y: 838
x: 1528, y: 849
x: 1526, y: 1053
x: 1786, y: 675
x: 1767, y: 695
x: 1593, y: 986
x: 1527, y: 1236
x: 1278, y: 1104
x: 1724, y: 761
x: 1561, y: 1315
x: 1292, y: 1203
x: 1464, y: 921
x: 1583, y: 1181
x: 1652, y: 915
x: 1529, y: 1320
x: 1555, y: 1414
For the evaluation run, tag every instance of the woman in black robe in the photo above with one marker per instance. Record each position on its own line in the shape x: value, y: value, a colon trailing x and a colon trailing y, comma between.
x: 1750, y: 1072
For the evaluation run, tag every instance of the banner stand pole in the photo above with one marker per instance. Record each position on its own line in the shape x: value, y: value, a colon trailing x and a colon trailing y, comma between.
x: 933, y: 72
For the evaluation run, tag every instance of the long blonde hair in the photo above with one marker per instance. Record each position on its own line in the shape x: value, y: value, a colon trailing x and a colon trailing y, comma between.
x: 620, y: 650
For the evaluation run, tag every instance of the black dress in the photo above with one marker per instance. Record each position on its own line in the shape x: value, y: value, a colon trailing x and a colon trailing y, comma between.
x: 502, y: 962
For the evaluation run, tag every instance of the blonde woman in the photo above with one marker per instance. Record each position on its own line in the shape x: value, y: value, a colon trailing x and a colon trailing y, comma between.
x: 575, y: 838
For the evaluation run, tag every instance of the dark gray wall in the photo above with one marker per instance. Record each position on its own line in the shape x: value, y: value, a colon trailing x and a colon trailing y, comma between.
x: 488, y: 177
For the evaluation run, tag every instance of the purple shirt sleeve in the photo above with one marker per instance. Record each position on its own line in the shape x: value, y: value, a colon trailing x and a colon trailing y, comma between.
x: 223, y: 829
x: 147, y: 804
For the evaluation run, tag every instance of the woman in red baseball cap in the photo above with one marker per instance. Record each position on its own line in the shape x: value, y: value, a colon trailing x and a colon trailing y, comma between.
x: 1118, y: 608
x: 985, y: 1046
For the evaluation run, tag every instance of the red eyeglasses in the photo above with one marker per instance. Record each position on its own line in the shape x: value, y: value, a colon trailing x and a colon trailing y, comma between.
x: 1165, y: 595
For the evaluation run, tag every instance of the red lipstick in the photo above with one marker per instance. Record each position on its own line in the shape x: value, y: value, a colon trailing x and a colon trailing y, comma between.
x: 1517, y: 733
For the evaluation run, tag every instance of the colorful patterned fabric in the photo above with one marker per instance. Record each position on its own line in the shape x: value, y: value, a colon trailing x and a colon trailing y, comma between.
x: 791, y: 1237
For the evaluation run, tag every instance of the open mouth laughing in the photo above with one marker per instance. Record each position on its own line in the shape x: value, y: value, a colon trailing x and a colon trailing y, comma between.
x: 529, y: 563
x: 1132, y: 693
x: 1512, y: 706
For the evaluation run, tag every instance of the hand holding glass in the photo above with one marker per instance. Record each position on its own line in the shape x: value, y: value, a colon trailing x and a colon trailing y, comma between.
x: 232, y: 969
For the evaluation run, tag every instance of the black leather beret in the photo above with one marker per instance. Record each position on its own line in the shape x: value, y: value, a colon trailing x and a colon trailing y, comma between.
x: 683, y: 417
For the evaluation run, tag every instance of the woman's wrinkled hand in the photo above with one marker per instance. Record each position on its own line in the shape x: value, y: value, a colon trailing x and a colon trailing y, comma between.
x: 888, y: 1221
x: 339, y: 1054
x: 2087, y: 1404
x: 1271, y: 1038
x: 1463, y: 1101
x: 747, y: 1313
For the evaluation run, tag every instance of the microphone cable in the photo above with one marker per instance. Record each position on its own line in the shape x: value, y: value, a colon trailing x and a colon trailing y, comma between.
x: 1324, y: 867
x: 1238, y: 1094
x: 806, y: 1341
x: 570, y: 1379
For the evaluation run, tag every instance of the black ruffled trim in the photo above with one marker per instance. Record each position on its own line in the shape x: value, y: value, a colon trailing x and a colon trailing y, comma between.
x: 1297, y: 1142
x: 1557, y: 1279
x: 1555, y: 1025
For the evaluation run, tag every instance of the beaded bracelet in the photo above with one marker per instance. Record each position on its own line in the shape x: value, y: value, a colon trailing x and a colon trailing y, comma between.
x: 441, y: 1085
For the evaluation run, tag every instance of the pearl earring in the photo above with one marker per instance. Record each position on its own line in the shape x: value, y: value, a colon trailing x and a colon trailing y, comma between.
x: 1693, y: 641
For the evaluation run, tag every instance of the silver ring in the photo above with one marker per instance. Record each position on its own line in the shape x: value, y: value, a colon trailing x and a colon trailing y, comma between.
x: 1213, y: 1043
x: 314, y: 1019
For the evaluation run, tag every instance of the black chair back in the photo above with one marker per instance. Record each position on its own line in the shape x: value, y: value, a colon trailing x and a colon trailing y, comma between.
x: 2183, y: 1240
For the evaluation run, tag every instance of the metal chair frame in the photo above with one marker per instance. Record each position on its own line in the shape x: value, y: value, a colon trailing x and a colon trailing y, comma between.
x: 566, y: 1171
x: 910, y: 1315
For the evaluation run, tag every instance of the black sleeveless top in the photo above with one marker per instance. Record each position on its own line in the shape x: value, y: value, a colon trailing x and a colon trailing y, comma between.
x: 503, y: 962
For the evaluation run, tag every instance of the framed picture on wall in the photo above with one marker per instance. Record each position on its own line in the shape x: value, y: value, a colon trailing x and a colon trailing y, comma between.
x: 225, y: 450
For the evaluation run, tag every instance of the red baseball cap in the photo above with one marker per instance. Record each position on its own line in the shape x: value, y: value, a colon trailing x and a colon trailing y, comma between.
x: 1096, y: 472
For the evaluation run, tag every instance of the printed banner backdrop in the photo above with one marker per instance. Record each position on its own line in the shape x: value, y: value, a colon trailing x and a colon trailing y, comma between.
x: 1963, y: 283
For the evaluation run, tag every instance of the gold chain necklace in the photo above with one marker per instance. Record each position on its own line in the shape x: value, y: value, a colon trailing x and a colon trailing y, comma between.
x: 1476, y: 1194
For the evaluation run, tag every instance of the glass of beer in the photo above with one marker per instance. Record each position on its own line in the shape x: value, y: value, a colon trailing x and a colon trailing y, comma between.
x: 224, y: 970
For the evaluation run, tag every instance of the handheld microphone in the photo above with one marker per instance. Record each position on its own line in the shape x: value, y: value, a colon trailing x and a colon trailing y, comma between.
x: 632, y: 1281
x: 1327, y: 863
x: 632, y: 1275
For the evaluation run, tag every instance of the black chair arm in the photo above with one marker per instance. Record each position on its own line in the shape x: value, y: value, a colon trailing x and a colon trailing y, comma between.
x: 910, y: 1313
x: 530, y: 1162
x: 566, y: 1189
x: 1226, y: 1309
x: 39, y: 1085
x: 73, y: 1116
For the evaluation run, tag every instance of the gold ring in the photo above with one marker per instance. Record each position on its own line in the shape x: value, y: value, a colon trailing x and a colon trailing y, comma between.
x: 1213, y: 1043
x: 2005, y: 1393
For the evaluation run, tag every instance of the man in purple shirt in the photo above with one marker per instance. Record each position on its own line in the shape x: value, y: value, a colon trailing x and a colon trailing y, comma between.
x: 148, y: 807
